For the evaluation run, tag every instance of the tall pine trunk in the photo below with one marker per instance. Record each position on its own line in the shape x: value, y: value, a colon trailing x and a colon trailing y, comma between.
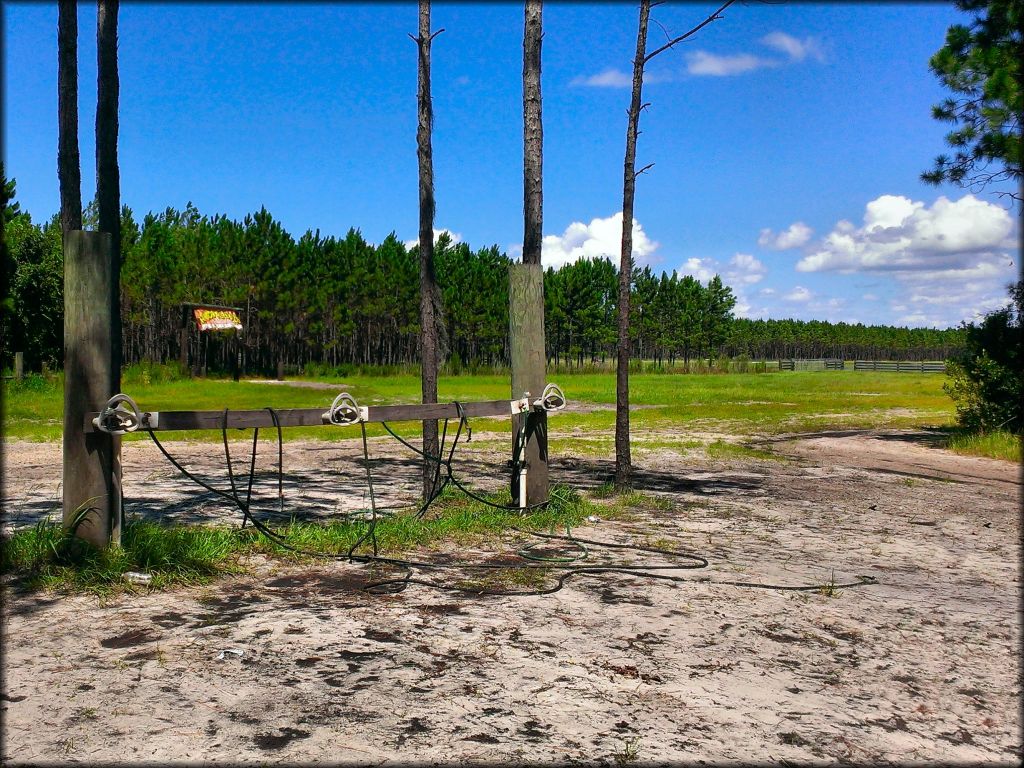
x: 69, y: 170
x: 533, y: 135
x: 429, y: 293
x: 108, y: 181
x: 623, y: 458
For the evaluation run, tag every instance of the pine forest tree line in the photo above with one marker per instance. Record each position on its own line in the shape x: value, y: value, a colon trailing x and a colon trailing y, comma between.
x: 332, y: 302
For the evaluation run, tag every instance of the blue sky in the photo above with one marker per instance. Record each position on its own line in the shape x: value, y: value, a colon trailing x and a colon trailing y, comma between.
x: 787, y: 139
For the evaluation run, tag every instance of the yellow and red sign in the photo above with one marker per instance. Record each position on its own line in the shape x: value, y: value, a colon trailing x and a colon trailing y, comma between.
x: 217, y: 319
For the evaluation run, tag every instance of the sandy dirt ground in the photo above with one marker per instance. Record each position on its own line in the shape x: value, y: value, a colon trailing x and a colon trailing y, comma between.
x: 301, y: 665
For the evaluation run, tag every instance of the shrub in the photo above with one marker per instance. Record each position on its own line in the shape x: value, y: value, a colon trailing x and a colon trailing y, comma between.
x: 986, y: 381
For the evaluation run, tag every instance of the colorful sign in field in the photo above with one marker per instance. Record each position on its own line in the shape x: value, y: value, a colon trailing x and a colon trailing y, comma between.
x: 217, y: 319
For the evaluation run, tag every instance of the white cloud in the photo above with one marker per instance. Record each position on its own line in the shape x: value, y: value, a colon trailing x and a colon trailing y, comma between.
x: 902, y: 235
x: 945, y: 310
x: 455, y: 238
x: 944, y: 263
x: 798, y: 295
x: 829, y: 304
x: 798, y: 234
x: 601, y: 238
x: 616, y: 78
x: 704, y: 63
x: 609, y: 78
x: 701, y: 269
x: 796, y: 49
x: 717, y: 65
x: 742, y: 307
x: 742, y: 269
x: 946, y: 298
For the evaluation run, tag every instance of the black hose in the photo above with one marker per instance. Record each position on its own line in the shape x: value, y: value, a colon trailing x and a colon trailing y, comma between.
x: 688, y: 561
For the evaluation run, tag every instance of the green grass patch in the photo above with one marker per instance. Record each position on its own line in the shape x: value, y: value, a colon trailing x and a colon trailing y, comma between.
x: 994, y: 445
x: 48, y: 557
x: 734, y: 403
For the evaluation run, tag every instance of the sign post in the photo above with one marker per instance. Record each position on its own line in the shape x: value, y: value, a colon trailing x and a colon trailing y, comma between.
x: 211, y: 317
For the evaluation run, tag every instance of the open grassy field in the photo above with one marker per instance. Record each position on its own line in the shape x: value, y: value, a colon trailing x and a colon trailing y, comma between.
x: 740, y: 404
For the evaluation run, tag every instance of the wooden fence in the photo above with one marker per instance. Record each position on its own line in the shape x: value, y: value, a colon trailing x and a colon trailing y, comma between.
x: 833, y: 364
x: 928, y: 366
x: 824, y: 364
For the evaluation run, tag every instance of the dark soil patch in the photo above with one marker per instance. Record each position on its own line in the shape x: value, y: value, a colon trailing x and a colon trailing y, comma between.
x: 169, y: 620
x: 274, y: 741
x: 414, y: 727
x: 351, y: 582
x: 381, y: 637
x: 482, y: 738
x: 793, y: 738
x: 130, y: 638
x: 230, y: 609
x: 533, y: 730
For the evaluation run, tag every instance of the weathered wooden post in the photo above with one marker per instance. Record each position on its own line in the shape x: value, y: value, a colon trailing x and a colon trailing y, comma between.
x: 92, y: 460
x: 526, y: 340
x: 19, y: 366
x: 526, y: 280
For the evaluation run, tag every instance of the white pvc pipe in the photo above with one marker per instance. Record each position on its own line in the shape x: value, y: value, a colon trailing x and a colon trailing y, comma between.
x: 522, y: 488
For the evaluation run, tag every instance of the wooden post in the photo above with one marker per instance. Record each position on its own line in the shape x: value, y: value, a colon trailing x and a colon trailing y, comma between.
x: 19, y: 366
x: 92, y: 471
x: 526, y: 340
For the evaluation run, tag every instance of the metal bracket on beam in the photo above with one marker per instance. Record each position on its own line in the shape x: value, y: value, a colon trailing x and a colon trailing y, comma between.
x: 552, y: 399
x: 345, y: 410
x: 119, y: 416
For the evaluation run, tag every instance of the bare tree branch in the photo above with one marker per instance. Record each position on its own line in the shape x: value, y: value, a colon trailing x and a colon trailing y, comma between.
x: 417, y: 40
x: 672, y: 43
x: 645, y: 168
x: 667, y: 35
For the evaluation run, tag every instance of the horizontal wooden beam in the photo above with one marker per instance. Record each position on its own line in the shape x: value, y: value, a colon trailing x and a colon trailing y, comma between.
x: 164, y: 421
